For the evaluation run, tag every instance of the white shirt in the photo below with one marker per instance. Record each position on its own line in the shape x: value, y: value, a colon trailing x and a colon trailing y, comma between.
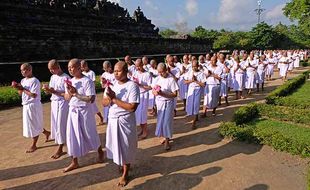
x: 144, y: 79
x: 250, y: 64
x: 214, y: 70
x: 128, y: 92
x: 108, y: 76
x: 200, y: 77
x: 34, y: 86
x: 84, y: 87
x: 167, y: 85
x: 90, y: 74
x: 58, y: 83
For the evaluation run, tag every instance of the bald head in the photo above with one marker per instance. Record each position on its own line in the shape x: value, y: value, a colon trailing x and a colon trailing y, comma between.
x: 128, y: 60
x: 121, y: 71
x: 53, y: 63
x: 121, y: 65
x: 26, y: 70
x: 74, y: 67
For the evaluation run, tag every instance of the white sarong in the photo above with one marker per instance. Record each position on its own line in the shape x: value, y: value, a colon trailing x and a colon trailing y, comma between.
x: 193, y: 100
x: 212, y: 95
x: 32, y: 119
x: 164, y: 118
x: 141, y: 112
x: 121, y: 139
x: 82, y: 135
x: 59, y: 116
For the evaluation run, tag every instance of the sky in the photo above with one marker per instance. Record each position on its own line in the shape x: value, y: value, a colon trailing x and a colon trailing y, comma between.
x: 185, y: 15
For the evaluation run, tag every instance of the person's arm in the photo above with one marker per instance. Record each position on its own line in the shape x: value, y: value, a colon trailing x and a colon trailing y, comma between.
x: 131, y: 107
x: 168, y: 95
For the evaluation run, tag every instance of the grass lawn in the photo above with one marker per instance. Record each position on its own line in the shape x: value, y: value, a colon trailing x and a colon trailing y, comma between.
x: 299, y: 99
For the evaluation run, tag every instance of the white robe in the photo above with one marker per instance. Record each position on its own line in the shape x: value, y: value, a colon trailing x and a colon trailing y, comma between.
x: 154, y: 73
x: 250, y: 81
x: 144, y: 79
x: 212, y: 89
x: 82, y: 135
x: 239, y: 76
x: 165, y: 106
x: 111, y: 78
x: 195, y: 92
x: 261, y: 70
x: 284, y: 61
x: 32, y: 108
x: 121, y: 135
x: 59, y: 109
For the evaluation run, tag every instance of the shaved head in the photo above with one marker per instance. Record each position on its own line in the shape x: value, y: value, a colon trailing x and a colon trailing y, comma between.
x: 53, y: 63
x: 26, y: 66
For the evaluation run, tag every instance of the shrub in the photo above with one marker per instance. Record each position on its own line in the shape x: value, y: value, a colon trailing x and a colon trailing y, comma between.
x: 246, y: 114
x: 233, y: 131
x: 287, y: 88
x: 285, y: 113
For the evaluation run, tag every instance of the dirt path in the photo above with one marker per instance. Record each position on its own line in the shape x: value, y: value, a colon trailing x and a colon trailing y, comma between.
x: 199, y: 159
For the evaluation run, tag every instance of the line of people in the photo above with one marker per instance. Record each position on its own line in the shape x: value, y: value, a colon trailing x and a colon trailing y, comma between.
x: 131, y: 91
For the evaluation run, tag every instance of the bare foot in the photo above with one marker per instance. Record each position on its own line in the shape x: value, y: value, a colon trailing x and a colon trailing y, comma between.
x: 162, y: 141
x: 100, y: 158
x: 71, y: 167
x: 167, y: 146
x: 143, y: 136
x: 58, y: 154
x: 31, y: 149
x: 47, y: 135
x: 101, y: 123
x: 122, y: 182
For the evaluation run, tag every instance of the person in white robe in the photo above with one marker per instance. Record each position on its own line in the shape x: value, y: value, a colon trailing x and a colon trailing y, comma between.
x: 121, y: 135
x: 165, y: 88
x: 92, y: 76
x: 291, y: 61
x: 261, y: 72
x: 144, y: 81
x: 239, y: 72
x: 107, y: 78
x: 224, y: 79
x: 212, y: 89
x: 296, y: 56
x: 130, y: 64
x: 284, y: 61
x: 59, y: 106
x: 270, y: 67
x: 251, y: 74
x: 82, y: 136
x: 196, y: 82
x: 185, y: 67
x: 175, y: 72
x: 154, y: 73
x: 29, y: 90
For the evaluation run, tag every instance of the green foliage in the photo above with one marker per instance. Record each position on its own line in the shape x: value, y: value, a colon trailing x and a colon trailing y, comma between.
x: 203, y: 33
x: 287, y: 88
x: 299, y: 99
x: 246, y: 114
x: 263, y: 36
x: 305, y: 63
x: 168, y: 33
x: 225, y: 41
x: 299, y: 10
x: 281, y: 113
x: 281, y: 136
x: 233, y: 131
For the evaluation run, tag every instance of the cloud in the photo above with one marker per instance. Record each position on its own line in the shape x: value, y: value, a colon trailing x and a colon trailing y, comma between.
x: 116, y: 1
x: 275, y: 13
x: 191, y: 7
x: 181, y: 25
x: 236, y: 12
x: 151, y: 5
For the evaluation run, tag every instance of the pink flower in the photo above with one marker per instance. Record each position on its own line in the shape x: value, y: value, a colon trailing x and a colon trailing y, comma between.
x: 157, y: 88
x: 68, y: 81
x: 106, y: 83
x: 14, y: 83
x: 135, y: 79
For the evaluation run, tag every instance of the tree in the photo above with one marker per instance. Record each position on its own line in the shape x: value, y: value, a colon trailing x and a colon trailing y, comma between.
x: 168, y: 33
x: 299, y: 10
x: 225, y: 41
x: 263, y: 36
x: 202, y: 33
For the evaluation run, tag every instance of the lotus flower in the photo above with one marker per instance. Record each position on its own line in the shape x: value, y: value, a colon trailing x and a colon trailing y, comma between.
x: 135, y: 79
x: 106, y: 83
x: 14, y: 84
x: 157, y: 88
x: 68, y: 81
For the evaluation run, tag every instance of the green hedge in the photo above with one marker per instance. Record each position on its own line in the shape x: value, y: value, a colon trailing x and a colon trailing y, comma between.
x: 281, y: 113
x: 280, y: 135
x: 287, y: 88
x: 246, y: 114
